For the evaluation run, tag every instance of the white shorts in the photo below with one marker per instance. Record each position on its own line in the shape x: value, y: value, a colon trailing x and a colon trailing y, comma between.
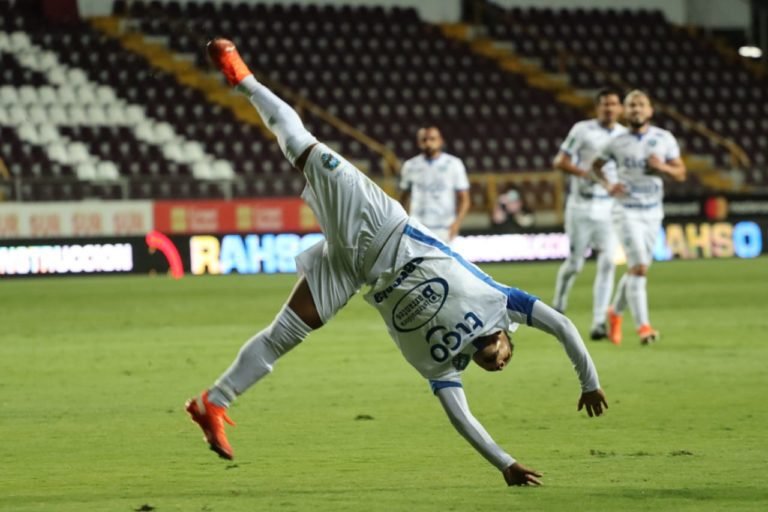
x: 638, y: 236
x: 357, y: 218
x: 584, y: 231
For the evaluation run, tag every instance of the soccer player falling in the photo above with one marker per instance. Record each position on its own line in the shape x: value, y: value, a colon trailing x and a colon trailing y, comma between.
x: 588, y: 220
x: 642, y: 156
x: 441, y: 311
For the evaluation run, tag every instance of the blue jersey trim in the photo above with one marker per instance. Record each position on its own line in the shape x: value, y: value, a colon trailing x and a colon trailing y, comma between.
x: 437, y: 385
x: 517, y: 300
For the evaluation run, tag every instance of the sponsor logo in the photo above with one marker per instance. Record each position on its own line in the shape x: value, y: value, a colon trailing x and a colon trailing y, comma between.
x: 444, y: 342
x: 329, y: 161
x: 66, y: 259
x: 407, y: 270
x: 419, y: 305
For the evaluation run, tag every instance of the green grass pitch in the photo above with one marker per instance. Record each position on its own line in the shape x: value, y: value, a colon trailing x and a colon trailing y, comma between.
x: 94, y: 373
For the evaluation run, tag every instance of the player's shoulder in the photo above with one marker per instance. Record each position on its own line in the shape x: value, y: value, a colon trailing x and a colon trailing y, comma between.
x: 584, y: 126
x: 451, y: 158
x: 661, y: 133
x: 623, y: 136
x: 413, y: 161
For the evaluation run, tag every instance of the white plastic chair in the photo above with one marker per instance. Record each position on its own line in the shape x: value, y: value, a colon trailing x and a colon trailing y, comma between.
x: 78, y: 153
x: 86, y: 171
x: 57, y: 114
x: 9, y: 95
x: 107, y: 170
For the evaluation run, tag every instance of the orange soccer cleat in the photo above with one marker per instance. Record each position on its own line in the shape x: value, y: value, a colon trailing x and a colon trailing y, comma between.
x: 614, y: 326
x: 225, y: 56
x: 211, y: 417
x: 648, y: 334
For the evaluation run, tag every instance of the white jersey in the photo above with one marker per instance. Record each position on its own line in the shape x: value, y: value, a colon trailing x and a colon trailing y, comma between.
x: 433, y: 185
x: 436, y: 303
x: 630, y: 152
x: 583, y: 145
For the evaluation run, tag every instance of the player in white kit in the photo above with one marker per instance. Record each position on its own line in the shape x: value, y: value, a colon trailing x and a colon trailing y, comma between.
x: 442, y: 311
x: 588, y: 222
x: 434, y: 188
x: 642, y: 156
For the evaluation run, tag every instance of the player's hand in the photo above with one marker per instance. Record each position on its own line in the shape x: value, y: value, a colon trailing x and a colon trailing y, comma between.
x: 594, y: 401
x: 655, y: 165
x: 517, y: 474
x: 617, y: 190
x: 453, y: 230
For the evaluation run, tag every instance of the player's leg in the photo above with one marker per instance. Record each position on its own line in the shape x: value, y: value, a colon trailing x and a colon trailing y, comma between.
x: 575, y: 228
x: 297, y: 318
x: 255, y: 360
x: 322, y: 291
x: 354, y: 213
x: 603, y: 240
x: 637, y: 280
x: 619, y: 302
x: 294, y: 139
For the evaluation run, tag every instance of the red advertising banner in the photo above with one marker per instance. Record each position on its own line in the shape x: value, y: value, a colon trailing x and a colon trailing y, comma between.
x: 237, y: 216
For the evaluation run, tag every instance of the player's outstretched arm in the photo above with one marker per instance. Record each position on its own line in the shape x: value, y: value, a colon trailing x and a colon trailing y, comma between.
x: 454, y: 401
x: 550, y: 321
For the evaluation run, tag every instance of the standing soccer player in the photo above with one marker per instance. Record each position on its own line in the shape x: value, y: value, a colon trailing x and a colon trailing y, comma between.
x: 434, y: 186
x: 642, y: 156
x: 442, y: 311
x: 588, y: 220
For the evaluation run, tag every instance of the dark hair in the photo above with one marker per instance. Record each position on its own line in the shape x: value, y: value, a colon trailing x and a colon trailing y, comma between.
x: 608, y: 91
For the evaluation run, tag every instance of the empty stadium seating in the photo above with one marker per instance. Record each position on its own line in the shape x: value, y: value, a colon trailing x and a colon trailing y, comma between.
x: 382, y: 70
x: 92, y: 119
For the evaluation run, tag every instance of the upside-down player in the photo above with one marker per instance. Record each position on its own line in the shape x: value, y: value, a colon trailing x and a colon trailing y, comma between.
x: 442, y: 311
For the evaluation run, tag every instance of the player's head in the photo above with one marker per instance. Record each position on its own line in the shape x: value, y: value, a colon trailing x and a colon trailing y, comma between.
x: 608, y: 106
x: 493, y: 351
x: 638, y: 109
x: 430, y: 140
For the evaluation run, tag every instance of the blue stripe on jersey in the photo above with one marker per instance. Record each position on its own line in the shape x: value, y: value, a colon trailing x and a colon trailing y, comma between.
x: 517, y: 300
x: 437, y: 385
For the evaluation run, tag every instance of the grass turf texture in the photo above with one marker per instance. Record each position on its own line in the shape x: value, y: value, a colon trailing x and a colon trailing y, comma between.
x: 94, y: 373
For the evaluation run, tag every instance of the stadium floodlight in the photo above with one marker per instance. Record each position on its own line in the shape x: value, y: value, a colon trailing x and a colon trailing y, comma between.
x: 750, y: 52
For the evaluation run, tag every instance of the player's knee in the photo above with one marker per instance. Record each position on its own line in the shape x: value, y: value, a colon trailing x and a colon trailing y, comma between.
x: 574, y: 264
x: 605, y: 264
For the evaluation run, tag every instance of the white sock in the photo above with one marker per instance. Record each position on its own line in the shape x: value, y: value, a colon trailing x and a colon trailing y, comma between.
x: 620, y: 299
x: 258, y: 355
x: 602, y: 288
x: 279, y: 117
x: 566, y: 276
x: 637, y: 298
